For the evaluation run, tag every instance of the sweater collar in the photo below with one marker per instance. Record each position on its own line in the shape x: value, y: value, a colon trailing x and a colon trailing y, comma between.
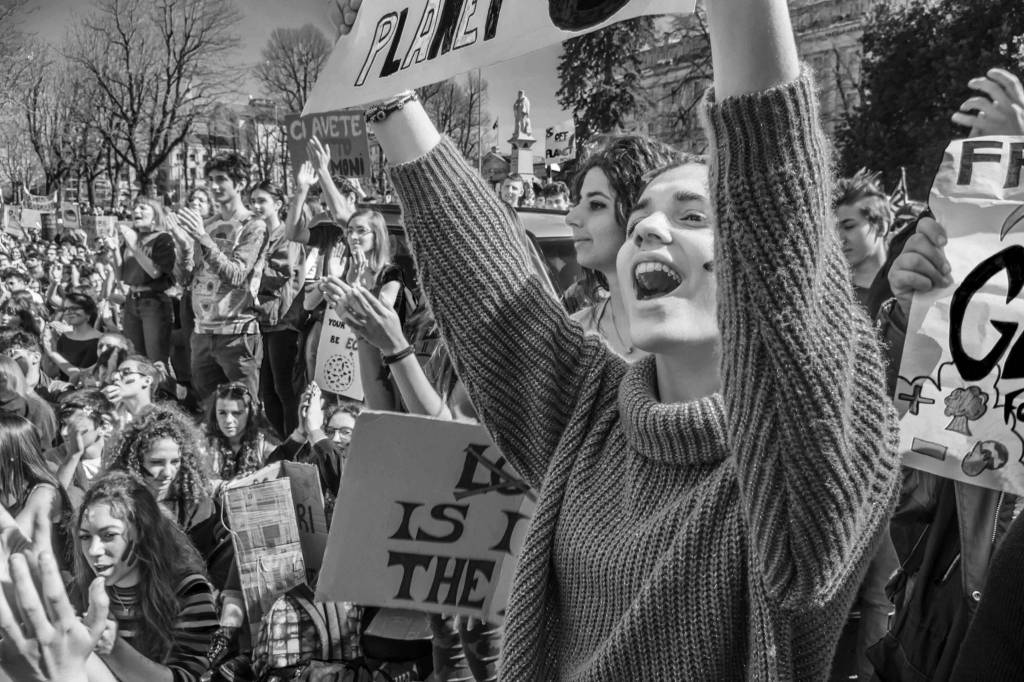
x: 686, y: 434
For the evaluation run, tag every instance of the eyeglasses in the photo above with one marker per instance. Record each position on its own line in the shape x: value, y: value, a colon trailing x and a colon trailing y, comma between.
x: 233, y: 390
x: 121, y: 374
x: 345, y: 431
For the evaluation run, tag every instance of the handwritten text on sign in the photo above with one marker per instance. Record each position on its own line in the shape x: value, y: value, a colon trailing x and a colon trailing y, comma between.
x: 429, y: 517
x: 397, y: 45
x: 961, y: 383
x: 342, y: 132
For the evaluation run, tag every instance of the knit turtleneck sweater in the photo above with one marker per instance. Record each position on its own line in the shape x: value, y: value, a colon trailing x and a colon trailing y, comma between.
x: 718, y: 539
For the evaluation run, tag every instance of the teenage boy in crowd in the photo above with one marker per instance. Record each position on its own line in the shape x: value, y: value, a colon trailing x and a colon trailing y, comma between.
x: 226, y: 263
x: 864, y: 217
x: 555, y: 196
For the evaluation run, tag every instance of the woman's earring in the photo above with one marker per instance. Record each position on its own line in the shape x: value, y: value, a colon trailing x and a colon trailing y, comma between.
x: 709, y: 266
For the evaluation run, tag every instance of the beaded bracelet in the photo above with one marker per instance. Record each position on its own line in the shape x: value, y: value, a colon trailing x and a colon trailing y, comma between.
x: 381, y: 111
x: 400, y: 355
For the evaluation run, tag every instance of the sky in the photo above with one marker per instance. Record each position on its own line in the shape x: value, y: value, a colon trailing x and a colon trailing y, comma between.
x: 535, y: 73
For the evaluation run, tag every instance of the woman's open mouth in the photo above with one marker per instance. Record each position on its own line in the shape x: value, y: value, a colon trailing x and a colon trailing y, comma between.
x: 652, y: 279
x: 102, y: 569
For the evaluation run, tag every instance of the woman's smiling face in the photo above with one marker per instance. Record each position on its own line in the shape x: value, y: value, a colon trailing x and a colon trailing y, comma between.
x: 665, y: 265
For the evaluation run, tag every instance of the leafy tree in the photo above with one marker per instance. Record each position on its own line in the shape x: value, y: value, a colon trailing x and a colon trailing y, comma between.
x: 158, y: 66
x: 917, y: 60
x: 292, y: 60
x: 600, y: 76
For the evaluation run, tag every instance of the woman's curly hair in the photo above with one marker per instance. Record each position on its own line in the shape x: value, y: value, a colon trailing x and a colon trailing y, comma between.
x: 159, y: 422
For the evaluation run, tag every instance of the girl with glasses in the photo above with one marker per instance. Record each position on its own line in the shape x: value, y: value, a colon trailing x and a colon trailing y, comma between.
x: 132, y: 387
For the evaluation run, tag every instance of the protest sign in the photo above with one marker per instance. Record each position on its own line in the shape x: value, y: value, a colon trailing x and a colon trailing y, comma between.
x: 39, y: 203
x: 69, y: 215
x: 106, y: 226
x: 266, y: 540
x: 343, y: 133
x: 12, y: 221
x: 337, y: 358
x: 31, y: 218
x: 960, y: 390
x: 429, y: 517
x: 560, y: 143
x: 398, y: 45
x: 48, y: 225
x: 308, y: 507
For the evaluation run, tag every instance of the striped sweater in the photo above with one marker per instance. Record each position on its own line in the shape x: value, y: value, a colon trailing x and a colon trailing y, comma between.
x: 193, y: 627
x: 719, y: 539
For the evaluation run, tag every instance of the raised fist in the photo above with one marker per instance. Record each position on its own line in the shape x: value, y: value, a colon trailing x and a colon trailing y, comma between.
x: 343, y: 14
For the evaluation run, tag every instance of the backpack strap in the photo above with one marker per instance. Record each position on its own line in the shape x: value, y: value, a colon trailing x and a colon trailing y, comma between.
x: 327, y: 619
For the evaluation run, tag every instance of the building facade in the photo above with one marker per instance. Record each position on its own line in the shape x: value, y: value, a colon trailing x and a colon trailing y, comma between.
x: 678, y: 71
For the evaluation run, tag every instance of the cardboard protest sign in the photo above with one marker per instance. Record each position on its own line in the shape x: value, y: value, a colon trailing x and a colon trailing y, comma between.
x: 266, y: 540
x: 69, y: 215
x: 961, y: 384
x: 337, y: 358
x: 12, y: 221
x: 31, y: 218
x: 342, y: 132
x: 429, y: 517
x: 560, y: 143
x: 307, y: 507
x: 398, y: 45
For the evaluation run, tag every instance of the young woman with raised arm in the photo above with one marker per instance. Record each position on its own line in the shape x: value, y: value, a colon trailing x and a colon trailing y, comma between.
x: 706, y: 513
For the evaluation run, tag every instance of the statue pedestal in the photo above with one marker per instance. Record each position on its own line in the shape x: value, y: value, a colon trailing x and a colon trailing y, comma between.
x: 521, y: 162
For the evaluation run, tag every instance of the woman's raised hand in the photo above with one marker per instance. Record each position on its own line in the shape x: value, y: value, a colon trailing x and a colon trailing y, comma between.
x: 306, y: 177
x: 999, y: 110
x: 343, y: 14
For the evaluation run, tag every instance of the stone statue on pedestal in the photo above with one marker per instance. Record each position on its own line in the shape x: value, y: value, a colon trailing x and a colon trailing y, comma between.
x: 521, y: 111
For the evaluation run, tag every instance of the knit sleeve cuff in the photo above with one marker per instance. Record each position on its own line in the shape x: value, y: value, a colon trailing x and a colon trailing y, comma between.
x: 768, y: 129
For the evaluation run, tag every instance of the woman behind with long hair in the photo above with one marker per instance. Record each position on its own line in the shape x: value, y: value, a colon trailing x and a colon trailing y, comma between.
x: 159, y: 598
x: 28, y: 489
x: 73, y: 350
x: 236, y: 442
x: 604, y: 190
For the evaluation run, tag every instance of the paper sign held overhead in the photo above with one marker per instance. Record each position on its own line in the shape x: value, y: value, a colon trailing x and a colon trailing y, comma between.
x: 960, y: 391
x: 398, y: 45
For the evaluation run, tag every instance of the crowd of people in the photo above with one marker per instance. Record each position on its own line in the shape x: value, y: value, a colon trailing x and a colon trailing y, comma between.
x: 711, y: 435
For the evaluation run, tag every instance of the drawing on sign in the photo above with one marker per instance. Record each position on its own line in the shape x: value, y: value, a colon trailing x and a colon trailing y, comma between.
x: 964, y: 405
x: 986, y: 455
x: 960, y: 393
x: 339, y: 371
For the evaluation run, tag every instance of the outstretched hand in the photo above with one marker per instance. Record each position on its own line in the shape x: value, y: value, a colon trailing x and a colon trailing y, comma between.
x: 372, y: 320
x: 42, y: 642
x: 306, y: 177
x: 319, y: 156
x: 999, y: 110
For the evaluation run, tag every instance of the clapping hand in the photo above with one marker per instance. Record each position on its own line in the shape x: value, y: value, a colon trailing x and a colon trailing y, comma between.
x: 129, y: 235
x: 177, y: 230
x: 366, y: 315
x: 313, y: 416
x: 999, y: 109
x: 191, y: 223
